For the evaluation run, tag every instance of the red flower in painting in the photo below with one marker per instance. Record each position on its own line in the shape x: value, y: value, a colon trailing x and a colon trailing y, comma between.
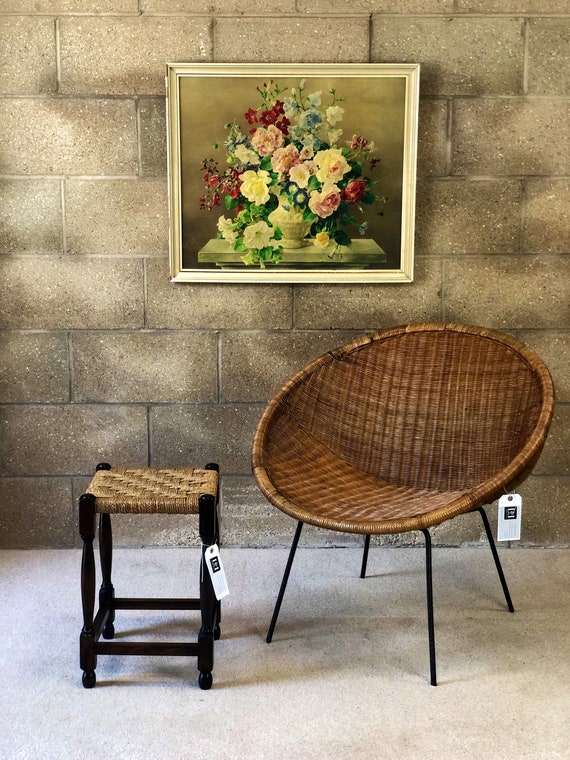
x: 354, y: 191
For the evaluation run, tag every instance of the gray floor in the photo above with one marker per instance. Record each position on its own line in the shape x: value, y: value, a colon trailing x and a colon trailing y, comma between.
x: 345, y: 677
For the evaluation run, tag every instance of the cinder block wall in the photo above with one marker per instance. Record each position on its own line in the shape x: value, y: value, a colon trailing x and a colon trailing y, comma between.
x: 103, y: 359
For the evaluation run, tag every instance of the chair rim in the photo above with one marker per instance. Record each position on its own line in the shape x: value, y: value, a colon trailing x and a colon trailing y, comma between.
x: 485, y: 492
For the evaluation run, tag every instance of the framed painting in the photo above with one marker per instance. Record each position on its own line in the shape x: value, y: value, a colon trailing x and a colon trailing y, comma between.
x: 292, y: 172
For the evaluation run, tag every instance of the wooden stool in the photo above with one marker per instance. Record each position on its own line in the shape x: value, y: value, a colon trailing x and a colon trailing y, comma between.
x: 145, y: 491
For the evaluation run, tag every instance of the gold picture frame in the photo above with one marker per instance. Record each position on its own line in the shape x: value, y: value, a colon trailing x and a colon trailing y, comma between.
x: 364, y: 234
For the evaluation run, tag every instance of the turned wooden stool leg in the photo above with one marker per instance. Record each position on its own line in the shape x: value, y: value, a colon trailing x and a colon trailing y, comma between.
x: 208, y: 602
x: 215, y: 466
x: 107, y: 591
x: 87, y: 654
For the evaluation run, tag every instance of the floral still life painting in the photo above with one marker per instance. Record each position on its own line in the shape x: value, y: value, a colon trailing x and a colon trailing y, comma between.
x: 291, y: 173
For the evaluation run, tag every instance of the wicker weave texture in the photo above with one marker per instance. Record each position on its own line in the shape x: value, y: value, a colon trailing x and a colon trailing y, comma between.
x: 404, y: 429
x: 148, y: 490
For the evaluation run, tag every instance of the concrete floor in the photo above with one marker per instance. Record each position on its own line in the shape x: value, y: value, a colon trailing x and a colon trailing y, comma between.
x: 347, y: 674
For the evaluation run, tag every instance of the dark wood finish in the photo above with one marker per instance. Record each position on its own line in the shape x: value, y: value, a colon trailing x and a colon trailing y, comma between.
x: 146, y: 603
x: 102, y: 622
x: 87, y: 656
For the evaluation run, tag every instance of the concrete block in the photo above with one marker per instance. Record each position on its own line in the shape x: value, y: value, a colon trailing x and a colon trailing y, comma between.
x: 69, y: 6
x: 468, y: 217
x: 256, y: 364
x: 30, y: 216
x: 34, y: 367
x: 68, y: 136
x: 94, y: 52
x: 518, y: 7
x: 548, y: 56
x: 36, y: 513
x: 291, y: 38
x: 554, y: 459
x: 153, y: 137
x: 508, y: 292
x: 27, y: 56
x: 371, y: 307
x: 463, y: 529
x: 545, y: 511
x: 73, y: 292
x: 248, y: 519
x: 204, y: 433
x: 116, y: 216
x: 156, y: 530
x: 210, y: 7
x: 351, y: 7
x: 511, y: 136
x: 216, y: 307
x: 121, y: 367
x: 71, y: 439
x: 458, y: 56
x: 546, y: 220
x: 554, y: 350
x: 432, y: 138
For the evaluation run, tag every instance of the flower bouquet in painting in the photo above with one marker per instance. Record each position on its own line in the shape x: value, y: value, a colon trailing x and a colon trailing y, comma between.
x: 290, y: 178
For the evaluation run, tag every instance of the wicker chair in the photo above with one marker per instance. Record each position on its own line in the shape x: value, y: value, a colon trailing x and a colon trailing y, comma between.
x: 402, y: 430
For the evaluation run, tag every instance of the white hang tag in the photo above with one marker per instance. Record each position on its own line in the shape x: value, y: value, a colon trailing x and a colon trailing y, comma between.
x: 216, y: 570
x: 509, y: 527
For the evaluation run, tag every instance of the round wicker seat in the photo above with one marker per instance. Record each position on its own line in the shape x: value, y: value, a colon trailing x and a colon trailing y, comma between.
x: 402, y: 430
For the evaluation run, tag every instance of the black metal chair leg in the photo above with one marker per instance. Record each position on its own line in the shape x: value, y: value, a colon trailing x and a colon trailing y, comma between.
x: 284, y: 582
x: 365, y: 556
x: 429, y: 588
x: 496, y: 558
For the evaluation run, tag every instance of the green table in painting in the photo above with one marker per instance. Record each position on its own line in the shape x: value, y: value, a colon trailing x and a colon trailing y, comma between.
x: 363, y: 253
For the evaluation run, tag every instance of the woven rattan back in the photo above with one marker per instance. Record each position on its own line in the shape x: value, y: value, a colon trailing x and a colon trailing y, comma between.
x: 437, y: 407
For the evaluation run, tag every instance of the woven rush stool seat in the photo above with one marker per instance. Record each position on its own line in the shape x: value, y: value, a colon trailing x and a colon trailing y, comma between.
x: 145, y: 490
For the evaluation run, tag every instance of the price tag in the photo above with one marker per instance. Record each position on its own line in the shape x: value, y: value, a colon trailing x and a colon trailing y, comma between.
x: 509, y: 526
x: 216, y: 570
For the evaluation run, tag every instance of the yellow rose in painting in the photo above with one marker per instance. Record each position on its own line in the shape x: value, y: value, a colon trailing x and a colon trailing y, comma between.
x: 255, y: 186
x: 322, y: 239
x: 332, y: 165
